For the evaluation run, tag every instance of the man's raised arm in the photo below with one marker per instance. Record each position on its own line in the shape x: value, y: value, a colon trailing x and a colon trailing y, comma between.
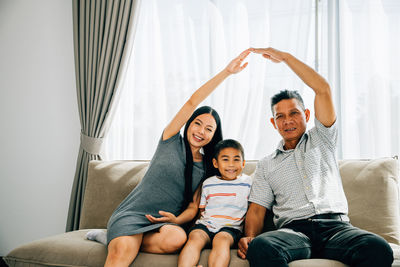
x: 323, y: 103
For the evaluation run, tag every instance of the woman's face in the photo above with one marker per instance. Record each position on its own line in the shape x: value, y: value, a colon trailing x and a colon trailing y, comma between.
x: 201, y: 130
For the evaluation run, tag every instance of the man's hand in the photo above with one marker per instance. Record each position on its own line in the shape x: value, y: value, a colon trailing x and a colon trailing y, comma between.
x: 252, y: 227
x: 270, y: 53
x: 243, y: 245
x: 167, y: 217
x: 323, y: 103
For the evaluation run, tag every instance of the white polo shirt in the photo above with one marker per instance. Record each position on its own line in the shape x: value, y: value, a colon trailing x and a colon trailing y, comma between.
x: 301, y: 182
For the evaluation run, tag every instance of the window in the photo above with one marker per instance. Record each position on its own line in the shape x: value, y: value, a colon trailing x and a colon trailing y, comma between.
x: 179, y: 45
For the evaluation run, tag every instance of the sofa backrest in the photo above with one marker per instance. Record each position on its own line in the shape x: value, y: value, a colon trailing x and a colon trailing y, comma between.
x: 108, y: 183
x: 371, y: 188
x: 372, y: 191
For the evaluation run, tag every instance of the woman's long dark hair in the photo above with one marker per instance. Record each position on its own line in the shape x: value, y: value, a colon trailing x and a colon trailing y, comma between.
x: 209, y: 169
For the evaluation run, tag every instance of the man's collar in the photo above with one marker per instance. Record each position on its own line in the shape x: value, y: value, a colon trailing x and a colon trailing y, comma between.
x: 280, y: 147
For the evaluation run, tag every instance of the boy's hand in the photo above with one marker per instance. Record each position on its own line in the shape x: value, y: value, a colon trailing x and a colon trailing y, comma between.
x: 235, y: 65
x: 166, y: 217
x: 243, y: 245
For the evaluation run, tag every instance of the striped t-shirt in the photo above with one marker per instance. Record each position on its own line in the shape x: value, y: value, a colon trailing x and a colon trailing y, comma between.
x: 224, y: 202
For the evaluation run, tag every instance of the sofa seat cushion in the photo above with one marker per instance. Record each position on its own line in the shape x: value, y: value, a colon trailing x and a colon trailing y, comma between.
x: 72, y: 249
x: 68, y: 249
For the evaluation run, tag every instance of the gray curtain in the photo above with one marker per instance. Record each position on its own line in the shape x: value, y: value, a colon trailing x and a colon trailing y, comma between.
x: 103, y: 38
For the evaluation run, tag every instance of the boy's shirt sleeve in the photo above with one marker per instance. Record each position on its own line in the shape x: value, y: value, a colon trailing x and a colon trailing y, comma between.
x: 250, y: 181
x: 203, y: 198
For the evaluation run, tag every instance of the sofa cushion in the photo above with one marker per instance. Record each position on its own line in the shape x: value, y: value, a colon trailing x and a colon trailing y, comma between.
x: 371, y: 188
x: 108, y: 183
x: 68, y: 249
x: 72, y: 249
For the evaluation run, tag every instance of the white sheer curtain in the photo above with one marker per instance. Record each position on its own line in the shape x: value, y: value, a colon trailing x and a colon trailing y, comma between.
x: 369, y: 77
x: 181, y: 44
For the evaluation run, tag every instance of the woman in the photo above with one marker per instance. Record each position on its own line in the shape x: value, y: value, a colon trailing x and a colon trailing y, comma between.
x: 176, y: 170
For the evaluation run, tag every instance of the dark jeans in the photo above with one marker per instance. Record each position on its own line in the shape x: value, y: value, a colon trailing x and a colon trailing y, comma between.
x: 319, y: 238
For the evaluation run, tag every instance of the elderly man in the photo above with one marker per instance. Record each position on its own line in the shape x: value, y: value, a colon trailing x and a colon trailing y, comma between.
x: 300, y: 182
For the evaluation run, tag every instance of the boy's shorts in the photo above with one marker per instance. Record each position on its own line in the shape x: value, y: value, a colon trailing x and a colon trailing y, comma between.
x: 235, y: 233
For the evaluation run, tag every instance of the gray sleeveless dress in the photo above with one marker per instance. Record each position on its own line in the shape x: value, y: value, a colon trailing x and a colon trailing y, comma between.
x: 162, y: 188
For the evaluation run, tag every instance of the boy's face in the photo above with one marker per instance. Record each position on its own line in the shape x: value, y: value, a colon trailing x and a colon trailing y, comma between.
x: 229, y: 163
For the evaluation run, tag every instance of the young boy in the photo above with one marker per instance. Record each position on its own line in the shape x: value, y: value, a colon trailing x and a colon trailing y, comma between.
x: 223, y: 205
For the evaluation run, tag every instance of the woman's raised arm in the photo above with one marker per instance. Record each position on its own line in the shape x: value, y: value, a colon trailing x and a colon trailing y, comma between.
x: 202, y: 93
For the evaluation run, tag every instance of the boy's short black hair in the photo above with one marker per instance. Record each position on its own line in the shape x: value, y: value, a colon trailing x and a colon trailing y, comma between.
x: 286, y: 94
x: 225, y: 144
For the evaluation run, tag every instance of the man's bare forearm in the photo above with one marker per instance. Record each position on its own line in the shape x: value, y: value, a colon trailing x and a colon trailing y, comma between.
x: 254, y: 220
x: 323, y: 102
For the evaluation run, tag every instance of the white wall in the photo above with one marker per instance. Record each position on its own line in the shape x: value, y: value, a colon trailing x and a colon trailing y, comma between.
x: 39, y: 120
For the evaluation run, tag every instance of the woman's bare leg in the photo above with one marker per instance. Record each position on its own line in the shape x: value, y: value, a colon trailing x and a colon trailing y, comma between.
x: 123, y: 250
x: 190, y: 253
x: 220, y: 254
x: 169, y: 239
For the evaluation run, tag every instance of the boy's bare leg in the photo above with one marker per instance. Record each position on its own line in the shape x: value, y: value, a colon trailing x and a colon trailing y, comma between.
x: 220, y: 253
x: 168, y: 239
x: 190, y: 253
x: 123, y: 250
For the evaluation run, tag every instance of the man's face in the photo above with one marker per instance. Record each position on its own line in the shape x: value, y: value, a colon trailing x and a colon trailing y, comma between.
x: 290, y: 120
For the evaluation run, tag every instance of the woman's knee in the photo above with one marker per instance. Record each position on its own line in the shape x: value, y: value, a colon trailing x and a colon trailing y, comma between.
x: 123, y: 246
x: 174, y: 237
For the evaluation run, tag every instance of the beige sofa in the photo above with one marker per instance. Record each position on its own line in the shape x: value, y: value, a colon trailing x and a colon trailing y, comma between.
x: 371, y: 187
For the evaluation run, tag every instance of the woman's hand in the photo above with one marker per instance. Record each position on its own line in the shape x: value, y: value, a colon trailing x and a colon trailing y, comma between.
x: 235, y: 65
x: 202, y: 93
x: 166, y: 217
x: 270, y: 53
